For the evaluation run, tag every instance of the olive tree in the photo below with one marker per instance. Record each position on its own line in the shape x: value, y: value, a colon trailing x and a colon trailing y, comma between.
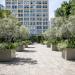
x: 9, y: 29
x: 24, y: 34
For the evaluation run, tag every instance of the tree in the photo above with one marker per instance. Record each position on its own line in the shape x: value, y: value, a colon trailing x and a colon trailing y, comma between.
x: 24, y: 34
x: 64, y: 10
x: 63, y: 28
x: 4, y: 13
x: 72, y: 3
x: 9, y: 29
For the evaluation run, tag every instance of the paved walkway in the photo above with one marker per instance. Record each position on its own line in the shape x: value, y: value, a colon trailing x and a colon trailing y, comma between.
x: 38, y: 60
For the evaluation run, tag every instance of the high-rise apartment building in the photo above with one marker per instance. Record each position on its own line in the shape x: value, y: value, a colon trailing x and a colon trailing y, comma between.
x: 31, y: 13
x: 1, y: 6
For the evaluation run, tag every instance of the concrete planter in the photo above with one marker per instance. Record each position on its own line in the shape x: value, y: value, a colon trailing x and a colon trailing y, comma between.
x: 20, y: 48
x: 54, y: 48
x: 68, y: 54
x: 7, y: 55
x: 26, y: 46
x: 48, y: 45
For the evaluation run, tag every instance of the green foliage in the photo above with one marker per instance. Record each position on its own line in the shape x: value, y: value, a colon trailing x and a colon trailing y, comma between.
x: 26, y: 42
x: 48, y: 44
x: 11, y: 32
x: 4, y: 13
x: 44, y: 42
x: 38, y: 39
x: 9, y: 29
x: 71, y: 43
x: 72, y: 3
x: 64, y: 10
x: 61, y: 45
x: 8, y: 45
x: 23, y: 33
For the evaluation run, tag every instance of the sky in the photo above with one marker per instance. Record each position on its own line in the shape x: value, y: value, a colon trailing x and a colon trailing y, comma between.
x: 53, y: 5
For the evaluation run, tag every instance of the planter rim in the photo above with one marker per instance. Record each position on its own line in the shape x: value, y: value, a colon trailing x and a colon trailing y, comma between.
x: 68, y: 48
x: 7, y: 49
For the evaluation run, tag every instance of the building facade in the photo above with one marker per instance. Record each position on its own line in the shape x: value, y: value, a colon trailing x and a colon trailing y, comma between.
x: 1, y: 6
x: 34, y: 14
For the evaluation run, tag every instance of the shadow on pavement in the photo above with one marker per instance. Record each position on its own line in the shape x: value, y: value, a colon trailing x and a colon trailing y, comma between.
x: 20, y: 61
x: 28, y: 51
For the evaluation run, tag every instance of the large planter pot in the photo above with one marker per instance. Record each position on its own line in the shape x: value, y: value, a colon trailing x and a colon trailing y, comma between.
x: 49, y: 45
x: 7, y: 55
x: 20, y: 48
x: 68, y: 53
x: 54, y: 48
x: 26, y: 46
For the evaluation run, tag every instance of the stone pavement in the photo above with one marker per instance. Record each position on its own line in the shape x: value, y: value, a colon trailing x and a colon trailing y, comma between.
x: 38, y: 60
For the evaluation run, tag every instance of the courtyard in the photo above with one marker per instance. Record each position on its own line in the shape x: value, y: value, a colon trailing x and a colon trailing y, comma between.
x: 37, y: 59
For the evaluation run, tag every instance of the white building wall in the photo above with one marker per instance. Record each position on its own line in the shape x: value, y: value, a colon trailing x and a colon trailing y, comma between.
x: 34, y: 14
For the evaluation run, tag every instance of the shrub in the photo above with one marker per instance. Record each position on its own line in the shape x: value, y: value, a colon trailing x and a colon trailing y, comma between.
x: 8, y: 45
x: 48, y: 43
x: 44, y: 42
x: 71, y: 43
x: 62, y: 45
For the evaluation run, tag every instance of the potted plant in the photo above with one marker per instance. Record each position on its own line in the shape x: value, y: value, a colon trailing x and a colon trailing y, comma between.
x: 10, y: 32
x: 26, y: 43
x: 20, y: 47
x: 54, y: 45
x: 69, y: 51
x: 7, y: 51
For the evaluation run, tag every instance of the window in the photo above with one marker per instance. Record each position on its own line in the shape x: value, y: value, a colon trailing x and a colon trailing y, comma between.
x: 32, y: 19
x: 26, y: 14
x: 26, y: 23
x: 32, y: 14
x: 26, y: 19
x: 20, y: 6
x: 44, y: 2
x: 45, y: 19
x: 39, y: 19
x: 32, y: 10
x: 32, y: 23
x: 45, y: 15
x: 33, y: 6
x: 8, y: 6
x: 14, y: 6
x: 45, y: 10
x: 38, y: 6
x: 38, y: 2
x: 26, y: 6
x: 39, y: 27
x: 26, y: 2
x: 45, y: 6
x: 20, y: 19
x: 45, y: 27
x: 45, y: 23
x: 8, y: 2
x: 39, y: 23
x: 33, y: 2
x: 38, y: 10
x: 20, y: 15
x: 20, y: 2
x: 39, y: 15
x: 26, y: 11
x: 20, y: 10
